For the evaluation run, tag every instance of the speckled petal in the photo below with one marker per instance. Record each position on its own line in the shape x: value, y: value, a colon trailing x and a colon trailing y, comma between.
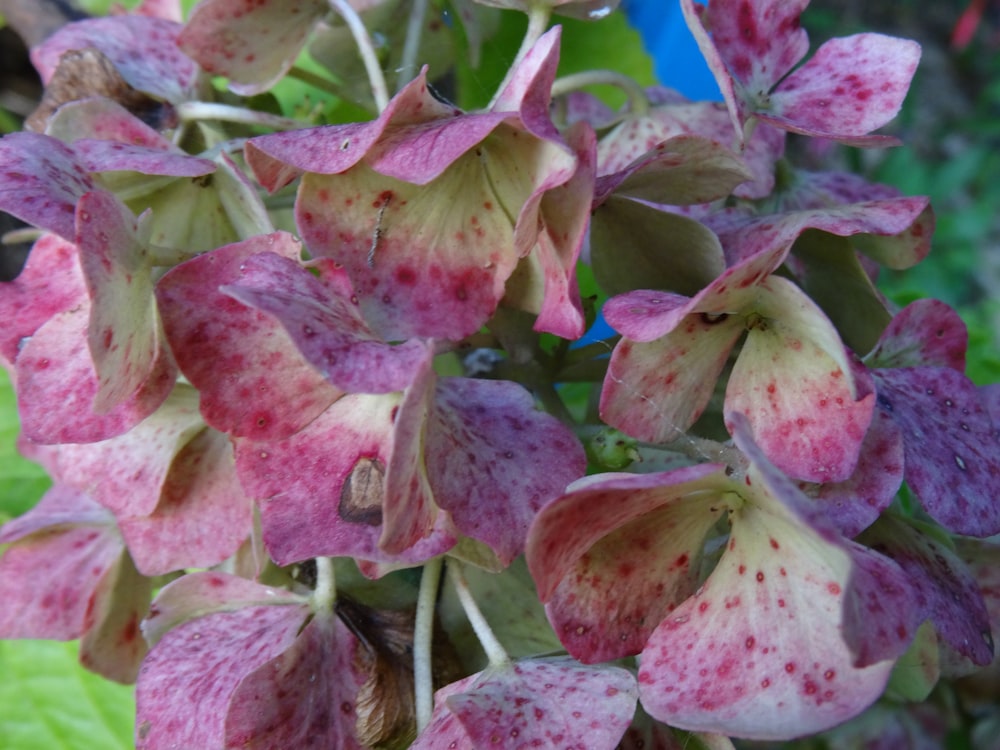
x: 925, y: 333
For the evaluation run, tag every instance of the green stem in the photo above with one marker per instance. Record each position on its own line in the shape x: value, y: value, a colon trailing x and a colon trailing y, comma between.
x: 315, y: 80
x: 638, y: 103
x: 191, y: 111
x: 380, y: 92
x: 538, y: 21
x: 325, y: 593
x: 423, y: 637
x: 411, y: 48
x: 495, y: 652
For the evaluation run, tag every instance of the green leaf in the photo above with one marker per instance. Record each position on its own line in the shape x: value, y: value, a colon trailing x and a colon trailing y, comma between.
x: 47, y: 700
x: 22, y: 482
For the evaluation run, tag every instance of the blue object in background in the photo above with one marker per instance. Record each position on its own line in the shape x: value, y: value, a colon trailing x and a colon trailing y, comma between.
x: 678, y: 64
x: 678, y: 61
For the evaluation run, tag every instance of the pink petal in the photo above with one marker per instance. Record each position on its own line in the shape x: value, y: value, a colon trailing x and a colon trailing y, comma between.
x: 100, y: 155
x: 188, y: 680
x: 211, y: 332
x: 850, y: 87
x: 126, y: 473
x: 203, y: 515
x: 253, y: 44
x: 56, y: 386
x: 57, y: 557
x: 49, y: 283
x: 107, y: 120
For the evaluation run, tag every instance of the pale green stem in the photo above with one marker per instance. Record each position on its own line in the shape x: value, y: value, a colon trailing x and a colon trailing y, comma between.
x: 17, y: 236
x: 423, y: 636
x: 411, y: 48
x: 190, y: 111
x: 380, y: 92
x: 316, y: 81
x: 495, y: 652
x: 325, y: 593
x: 638, y: 103
x: 538, y: 21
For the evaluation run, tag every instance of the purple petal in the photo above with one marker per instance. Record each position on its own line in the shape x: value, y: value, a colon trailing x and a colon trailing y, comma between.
x: 108, y: 156
x: 41, y: 181
x: 925, y: 333
x: 951, y: 444
x: 326, y: 326
x: 493, y: 460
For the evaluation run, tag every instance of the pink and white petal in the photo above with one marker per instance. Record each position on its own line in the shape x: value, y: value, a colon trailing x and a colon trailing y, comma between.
x: 439, y: 256
x: 143, y: 49
x: 203, y: 515
x: 253, y: 44
x: 493, y: 460
x: 881, y: 612
x: 124, y: 327
x: 655, y: 391
x: 794, y: 383
x: 187, y: 682
x: 951, y: 445
x: 757, y: 652
x: 269, y: 391
x: 50, y: 282
x: 855, y: 503
x: 126, y: 473
x: 41, y: 181
x: 58, y: 554
x: 925, y: 333
x: 170, y: 10
x: 113, y: 645
x: 850, y: 87
x: 327, y: 327
x: 302, y: 698
x: 535, y: 703
x: 645, y: 315
x: 947, y: 592
x: 618, y: 553
x: 56, y: 385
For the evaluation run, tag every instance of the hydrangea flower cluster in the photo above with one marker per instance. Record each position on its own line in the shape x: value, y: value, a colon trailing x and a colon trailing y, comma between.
x: 273, y: 433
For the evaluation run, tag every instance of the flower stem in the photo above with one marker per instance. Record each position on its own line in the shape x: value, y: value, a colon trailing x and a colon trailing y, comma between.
x: 380, y: 92
x: 411, y: 48
x: 638, y: 103
x: 189, y: 111
x: 325, y: 593
x: 538, y: 21
x: 495, y: 652
x: 423, y: 636
x: 316, y: 81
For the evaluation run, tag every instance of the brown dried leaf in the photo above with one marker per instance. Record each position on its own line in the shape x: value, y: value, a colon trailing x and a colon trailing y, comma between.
x: 86, y: 73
